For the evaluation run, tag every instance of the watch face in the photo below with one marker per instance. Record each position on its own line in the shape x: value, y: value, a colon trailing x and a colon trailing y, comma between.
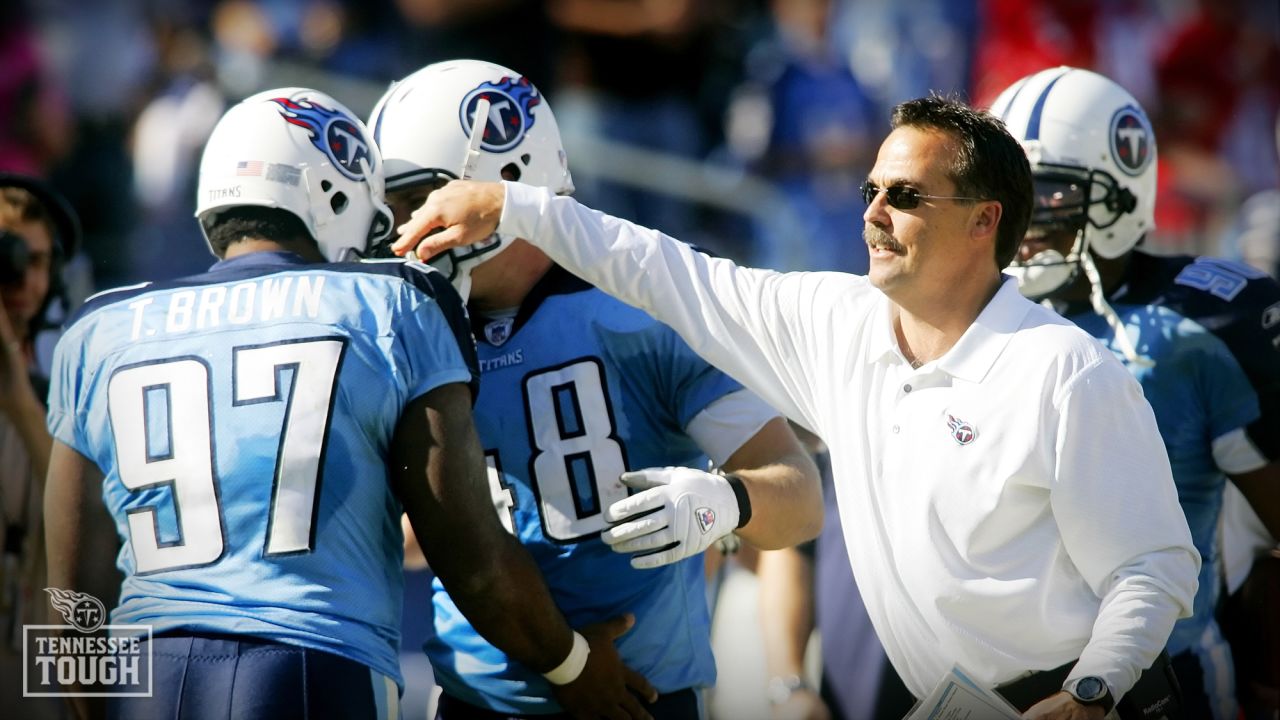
x: 1090, y: 688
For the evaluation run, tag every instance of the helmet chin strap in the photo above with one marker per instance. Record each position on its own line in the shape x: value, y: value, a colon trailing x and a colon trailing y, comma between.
x: 462, y: 283
x: 1048, y: 271
x: 1103, y: 308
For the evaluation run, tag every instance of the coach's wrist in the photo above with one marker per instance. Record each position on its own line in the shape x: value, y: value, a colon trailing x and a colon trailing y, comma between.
x: 569, y: 670
x: 782, y: 687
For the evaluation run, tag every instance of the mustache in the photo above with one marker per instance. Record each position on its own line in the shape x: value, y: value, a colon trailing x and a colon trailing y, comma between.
x: 873, y: 235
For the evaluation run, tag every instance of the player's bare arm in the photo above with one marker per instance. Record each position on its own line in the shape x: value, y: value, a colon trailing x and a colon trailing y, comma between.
x: 489, y: 574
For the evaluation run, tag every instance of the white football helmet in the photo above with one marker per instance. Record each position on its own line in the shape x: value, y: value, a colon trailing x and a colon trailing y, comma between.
x: 302, y: 151
x: 429, y: 131
x: 1093, y: 159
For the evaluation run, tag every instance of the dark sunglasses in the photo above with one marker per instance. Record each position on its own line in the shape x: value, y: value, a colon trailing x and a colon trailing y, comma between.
x: 903, y: 197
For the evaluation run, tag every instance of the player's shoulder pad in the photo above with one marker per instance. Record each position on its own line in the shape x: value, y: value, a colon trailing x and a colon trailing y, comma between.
x: 1236, y: 302
x: 1225, y: 293
x: 1227, y: 281
x: 425, y: 278
x: 107, y: 297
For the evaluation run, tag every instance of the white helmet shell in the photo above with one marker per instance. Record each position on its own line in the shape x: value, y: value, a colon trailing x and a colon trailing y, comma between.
x: 1090, y: 141
x: 302, y: 151
x: 424, y: 125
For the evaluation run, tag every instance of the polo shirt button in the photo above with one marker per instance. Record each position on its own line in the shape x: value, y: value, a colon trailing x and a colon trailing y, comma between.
x: 906, y: 388
x: 895, y: 429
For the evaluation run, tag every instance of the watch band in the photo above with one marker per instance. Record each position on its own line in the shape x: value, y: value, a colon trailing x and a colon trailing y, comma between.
x: 1091, y: 690
x: 782, y: 687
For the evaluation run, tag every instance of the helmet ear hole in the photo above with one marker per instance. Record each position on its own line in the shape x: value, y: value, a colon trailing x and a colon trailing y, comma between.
x: 525, y: 158
x: 1126, y: 201
x: 325, y: 185
x: 511, y: 172
x: 338, y: 202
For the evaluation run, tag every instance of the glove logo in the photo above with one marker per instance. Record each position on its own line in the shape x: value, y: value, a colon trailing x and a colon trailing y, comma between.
x: 706, y: 518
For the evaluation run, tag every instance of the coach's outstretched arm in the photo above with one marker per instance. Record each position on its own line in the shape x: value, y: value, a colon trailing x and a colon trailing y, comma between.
x: 757, y: 325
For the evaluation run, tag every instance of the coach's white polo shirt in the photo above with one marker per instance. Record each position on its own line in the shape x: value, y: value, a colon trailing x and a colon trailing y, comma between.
x: 1008, y: 507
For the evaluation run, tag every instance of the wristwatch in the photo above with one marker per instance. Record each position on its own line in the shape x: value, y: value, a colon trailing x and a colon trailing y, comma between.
x: 781, y: 688
x: 1091, y: 690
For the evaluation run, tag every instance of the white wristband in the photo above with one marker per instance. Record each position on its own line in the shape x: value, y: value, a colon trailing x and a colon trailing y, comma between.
x: 569, y: 670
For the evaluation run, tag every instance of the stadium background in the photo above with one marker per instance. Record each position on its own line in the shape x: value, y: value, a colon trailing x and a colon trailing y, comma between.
x: 744, y: 126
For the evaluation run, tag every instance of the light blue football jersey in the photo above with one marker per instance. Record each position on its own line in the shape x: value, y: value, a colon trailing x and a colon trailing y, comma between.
x: 1210, y: 326
x: 576, y: 389
x: 242, y: 419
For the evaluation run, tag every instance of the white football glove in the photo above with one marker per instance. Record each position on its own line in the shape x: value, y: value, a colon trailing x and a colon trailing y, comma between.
x: 681, y: 512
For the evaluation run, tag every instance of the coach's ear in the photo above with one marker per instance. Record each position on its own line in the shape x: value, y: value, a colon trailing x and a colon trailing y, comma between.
x: 984, y: 221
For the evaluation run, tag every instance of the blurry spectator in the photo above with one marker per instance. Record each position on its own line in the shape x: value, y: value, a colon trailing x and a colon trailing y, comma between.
x: 1216, y: 76
x: 1254, y: 237
x: 512, y: 33
x: 104, y: 53
x: 1020, y: 37
x: 165, y: 147
x: 34, y: 119
x: 244, y: 40
x: 1118, y: 38
x: 803, y: 121
x: 900, y: 51
x: 36, y: 230
x: 1250, y: 608
x: 633, y: 71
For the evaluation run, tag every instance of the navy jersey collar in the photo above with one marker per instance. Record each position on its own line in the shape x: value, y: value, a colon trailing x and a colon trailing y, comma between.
x: 274, y: 258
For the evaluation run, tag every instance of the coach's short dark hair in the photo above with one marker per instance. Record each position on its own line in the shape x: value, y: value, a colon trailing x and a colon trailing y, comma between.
x: 989, y: 162
x: 225, y: 227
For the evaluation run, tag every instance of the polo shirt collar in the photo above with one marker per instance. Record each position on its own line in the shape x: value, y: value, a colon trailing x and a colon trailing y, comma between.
x: 883, y: 344
x: 977, y: 350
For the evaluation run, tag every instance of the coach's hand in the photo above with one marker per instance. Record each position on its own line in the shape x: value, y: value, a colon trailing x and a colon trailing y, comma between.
x: 606, y: 688
x: 681, y: 512
x: 1061, y: 706
x: 460, y: 213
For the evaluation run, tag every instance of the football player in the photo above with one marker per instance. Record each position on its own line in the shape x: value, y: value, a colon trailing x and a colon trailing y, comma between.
x: 256, y: 429
x: 1202, y: 335
x: 580, y: 394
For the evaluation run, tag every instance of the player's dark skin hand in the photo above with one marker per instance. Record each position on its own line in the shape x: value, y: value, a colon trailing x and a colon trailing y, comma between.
x: 606, y: 688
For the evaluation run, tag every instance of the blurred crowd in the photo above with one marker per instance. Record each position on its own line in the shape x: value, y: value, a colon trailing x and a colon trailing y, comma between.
x: 113, y: 101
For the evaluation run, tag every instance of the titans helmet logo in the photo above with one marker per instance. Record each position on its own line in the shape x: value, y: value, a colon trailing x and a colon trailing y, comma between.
x: 1132, y: 141
x: 332, y: 132
x: 511, y: 103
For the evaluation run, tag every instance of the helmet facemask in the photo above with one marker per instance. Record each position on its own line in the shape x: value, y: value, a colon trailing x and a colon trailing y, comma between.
x: 1093, y: 158
x: 1068, y: 199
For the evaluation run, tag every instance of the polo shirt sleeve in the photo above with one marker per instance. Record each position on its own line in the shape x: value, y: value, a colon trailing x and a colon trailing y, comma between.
x: 1142, y: 565
x: 770, y: 331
